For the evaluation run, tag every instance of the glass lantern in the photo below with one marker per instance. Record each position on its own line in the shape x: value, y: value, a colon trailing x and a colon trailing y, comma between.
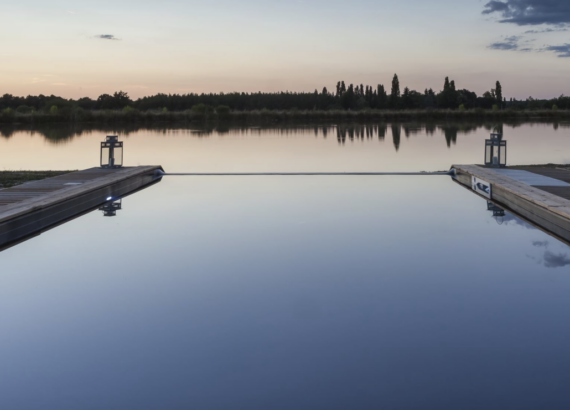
x: 496, y: 151
x: 112, y: 152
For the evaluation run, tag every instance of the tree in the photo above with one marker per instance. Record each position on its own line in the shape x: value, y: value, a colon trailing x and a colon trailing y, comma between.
x: 395, y: 93
x: 429, y: 98
x: 406, y: 99
x: 348, y: 98
x: 446, y: 85
x: 118, y: 100
x: 382, y: 97
x: 499, y: 94
x: 122, y: 99
x: 448, y: 97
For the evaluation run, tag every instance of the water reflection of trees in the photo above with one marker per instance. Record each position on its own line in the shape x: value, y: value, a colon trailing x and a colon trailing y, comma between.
x: 362, y: 132
x: 345, y: 132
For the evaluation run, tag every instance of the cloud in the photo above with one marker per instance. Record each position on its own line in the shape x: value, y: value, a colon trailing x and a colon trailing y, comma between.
x: 508, y: 218
x: 546, y: 30
x: 540, y: 244
x: 509, y: 43
x: 552, y: 260
x: 107, y: 37
x: 563, y: 51
x: 530, y: 12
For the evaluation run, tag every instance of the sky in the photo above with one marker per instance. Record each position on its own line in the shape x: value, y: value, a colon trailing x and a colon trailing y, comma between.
x: 79, y: 48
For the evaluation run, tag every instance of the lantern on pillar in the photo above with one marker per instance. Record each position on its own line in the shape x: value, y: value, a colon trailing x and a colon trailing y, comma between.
x: 112, y: 152
x: 496, y: 151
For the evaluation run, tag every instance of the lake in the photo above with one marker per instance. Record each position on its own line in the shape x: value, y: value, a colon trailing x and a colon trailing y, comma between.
x: 375, y: 147
x: 361, y: 292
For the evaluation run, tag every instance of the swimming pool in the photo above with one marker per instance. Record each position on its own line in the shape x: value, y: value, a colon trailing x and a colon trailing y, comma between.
x: 280, y: 292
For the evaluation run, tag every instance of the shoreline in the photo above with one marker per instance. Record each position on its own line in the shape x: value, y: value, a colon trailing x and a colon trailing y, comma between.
x: 79, y: 116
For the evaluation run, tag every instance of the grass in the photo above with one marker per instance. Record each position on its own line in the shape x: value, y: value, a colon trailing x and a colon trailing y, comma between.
x: 75, y: 116
x: 9, y: 179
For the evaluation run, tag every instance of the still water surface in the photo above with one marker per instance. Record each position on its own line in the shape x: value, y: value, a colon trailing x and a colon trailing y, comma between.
x: 276, y: 292
x: 342, y: 148
x: 288, y: 293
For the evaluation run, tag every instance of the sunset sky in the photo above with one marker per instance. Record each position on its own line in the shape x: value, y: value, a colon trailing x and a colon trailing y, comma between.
x: 75, y: 49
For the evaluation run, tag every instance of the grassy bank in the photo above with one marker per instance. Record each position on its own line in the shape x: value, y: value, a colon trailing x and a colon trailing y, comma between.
x: 271, y: 116
x: 12, y: 178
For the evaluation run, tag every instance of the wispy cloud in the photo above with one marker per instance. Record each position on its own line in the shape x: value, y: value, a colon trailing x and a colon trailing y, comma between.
x: 563, y: 50
x: 547, y: 30
x: 43, y: 78
x: 509, y: 43
x: 530, y: 12
x: 107, y: 37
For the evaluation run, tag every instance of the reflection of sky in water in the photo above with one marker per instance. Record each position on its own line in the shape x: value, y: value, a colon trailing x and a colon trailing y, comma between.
x: 550, y: 253
x: 286, y: 292
x: 353, y: 147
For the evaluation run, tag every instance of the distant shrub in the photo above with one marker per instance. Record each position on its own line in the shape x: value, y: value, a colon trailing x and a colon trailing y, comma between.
x: 7, y: 111
x: 222, y: 110
x: 128, y: 109
x: 165, y: 109
x: 24, y: 109
x: 555, y: 107
x: 79, y: 114
x: 462, y: 107
x: 202, y: 109
x: 495, y: 107
x: 53, y: 110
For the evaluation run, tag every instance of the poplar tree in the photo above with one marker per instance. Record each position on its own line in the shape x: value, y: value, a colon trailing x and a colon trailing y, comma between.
x: 395, y: 93
x: 382, y: 96
x: 499, y: 94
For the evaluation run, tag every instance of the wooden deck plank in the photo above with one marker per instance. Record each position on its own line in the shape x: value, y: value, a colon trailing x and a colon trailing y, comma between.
x: 29, y: 209
x: 545, y: 206
x: 35, y: 195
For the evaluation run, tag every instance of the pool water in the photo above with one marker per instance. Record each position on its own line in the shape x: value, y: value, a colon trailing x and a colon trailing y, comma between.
x: 288, y: 292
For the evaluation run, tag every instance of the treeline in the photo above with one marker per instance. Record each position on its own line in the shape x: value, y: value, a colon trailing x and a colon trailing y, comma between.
x: 351, y: 97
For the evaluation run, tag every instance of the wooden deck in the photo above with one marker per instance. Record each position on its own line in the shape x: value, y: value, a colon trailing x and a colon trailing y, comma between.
x: 35, y: 206
x: 560, y: 173
x: 545, y: 206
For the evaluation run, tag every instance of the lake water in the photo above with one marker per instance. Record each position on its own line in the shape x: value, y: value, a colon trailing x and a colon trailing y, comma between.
x: 378, y: 147
x: 391, y: 292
